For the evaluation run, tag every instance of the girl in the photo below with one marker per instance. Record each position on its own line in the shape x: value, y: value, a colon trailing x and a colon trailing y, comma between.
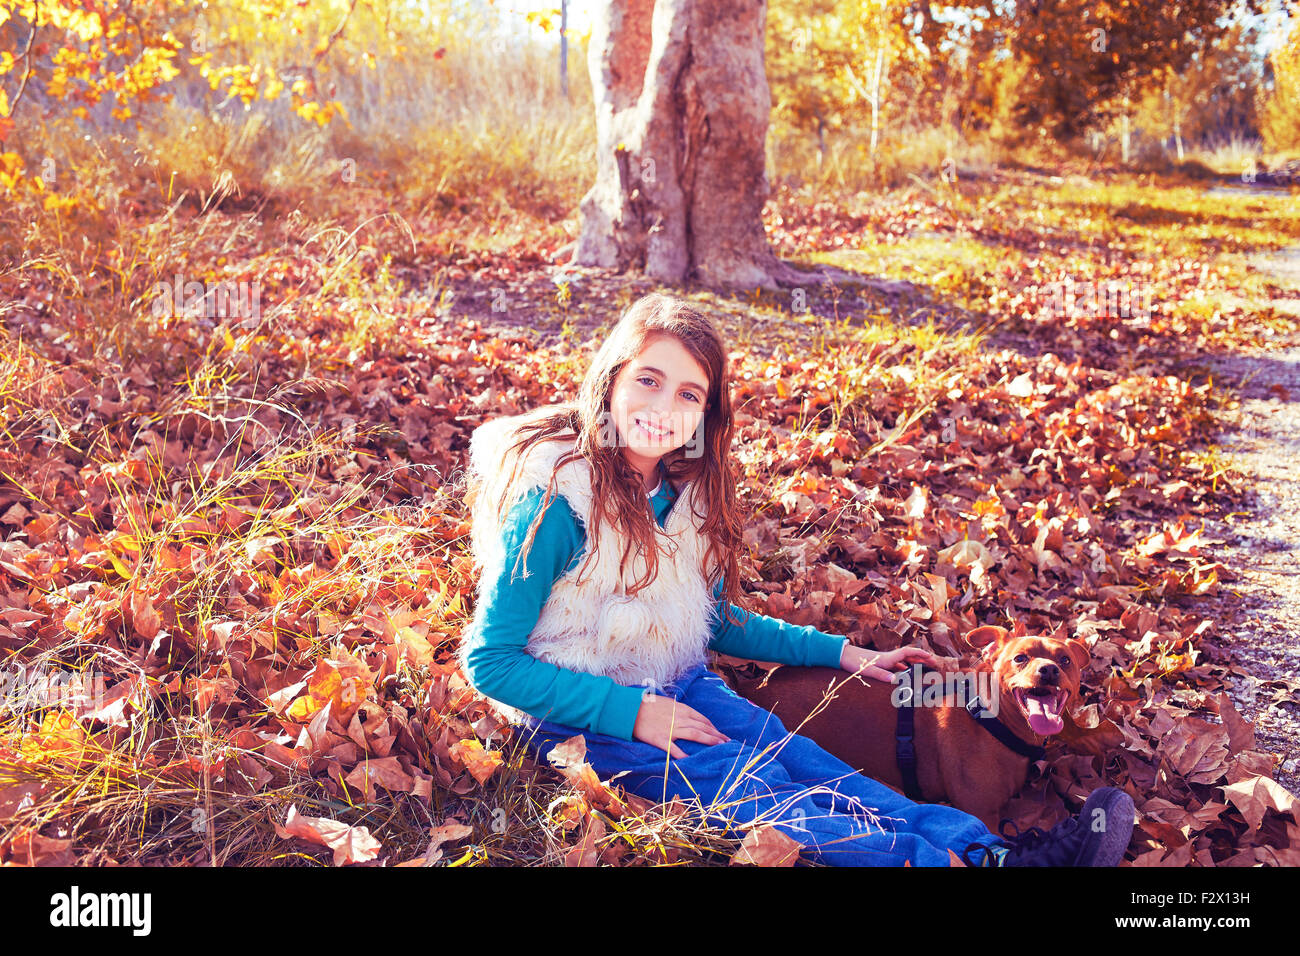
x: 607, y: 531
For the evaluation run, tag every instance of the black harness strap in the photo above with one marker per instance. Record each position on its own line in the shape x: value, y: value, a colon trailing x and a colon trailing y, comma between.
x: 905, y: 744
x: 905, y: 734
x: 1000, y: 731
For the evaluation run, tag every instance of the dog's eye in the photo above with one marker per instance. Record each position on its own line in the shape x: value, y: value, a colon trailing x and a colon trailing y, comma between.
x: 1065, y: 660
x: 1021, y: 658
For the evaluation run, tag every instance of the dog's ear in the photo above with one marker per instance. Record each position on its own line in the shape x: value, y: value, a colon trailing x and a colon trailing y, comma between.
x: 1079, y: 653
x: 987, y: 638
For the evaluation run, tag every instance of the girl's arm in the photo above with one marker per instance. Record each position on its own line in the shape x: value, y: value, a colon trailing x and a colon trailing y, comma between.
x: 496, y: 661
x: 762, y: 638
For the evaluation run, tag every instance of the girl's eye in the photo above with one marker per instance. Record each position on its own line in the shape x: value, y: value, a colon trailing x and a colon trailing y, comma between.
x: 644, y: 378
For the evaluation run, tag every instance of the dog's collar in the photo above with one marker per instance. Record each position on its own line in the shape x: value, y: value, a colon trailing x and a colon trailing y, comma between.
x: 905, y: 742
x: 975, y: 708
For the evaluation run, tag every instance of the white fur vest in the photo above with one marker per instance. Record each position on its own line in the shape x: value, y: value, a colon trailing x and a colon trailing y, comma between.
x: 646, y: 640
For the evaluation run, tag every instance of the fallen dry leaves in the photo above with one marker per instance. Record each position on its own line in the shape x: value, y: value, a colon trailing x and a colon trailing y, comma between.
x: 350, y: 844
x: 260, y: 529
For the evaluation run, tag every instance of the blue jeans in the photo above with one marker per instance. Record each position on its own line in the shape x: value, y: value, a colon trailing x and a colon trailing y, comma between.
x: 765, y: 774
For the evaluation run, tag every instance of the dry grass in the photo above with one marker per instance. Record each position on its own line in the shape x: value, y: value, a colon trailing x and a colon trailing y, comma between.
x: 483, y: 141
x: 905, y: 154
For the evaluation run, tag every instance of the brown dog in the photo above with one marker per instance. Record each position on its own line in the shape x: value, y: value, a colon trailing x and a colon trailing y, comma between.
x: 1032, y: 680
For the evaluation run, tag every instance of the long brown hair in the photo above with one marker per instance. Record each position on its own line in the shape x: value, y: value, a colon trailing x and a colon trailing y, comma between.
x: 616, y: 485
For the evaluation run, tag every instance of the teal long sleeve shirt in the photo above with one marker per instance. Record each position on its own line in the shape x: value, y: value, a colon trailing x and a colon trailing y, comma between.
x: 498, y: 665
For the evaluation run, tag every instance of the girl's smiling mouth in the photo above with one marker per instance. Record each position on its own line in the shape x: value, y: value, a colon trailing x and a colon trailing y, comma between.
x: 651, y: 430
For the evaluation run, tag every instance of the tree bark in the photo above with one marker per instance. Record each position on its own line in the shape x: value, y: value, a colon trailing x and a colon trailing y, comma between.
x: 682, y: 107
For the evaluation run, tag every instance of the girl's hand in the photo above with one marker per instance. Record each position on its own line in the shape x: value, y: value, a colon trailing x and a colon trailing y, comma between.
x: 882, y: 665
x: 661, y: 719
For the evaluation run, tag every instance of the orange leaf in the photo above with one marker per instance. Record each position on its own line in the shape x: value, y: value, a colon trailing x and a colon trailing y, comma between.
x: 767, y: 846
x: 384, y: 771
x: 61, y: 737
x: 350, y: 844
x: 479, y: 762
x: 585, y: 852
x: 446, y: 833
x: 147, y: 622
x: 29, y: 848
x: 1256, y: 795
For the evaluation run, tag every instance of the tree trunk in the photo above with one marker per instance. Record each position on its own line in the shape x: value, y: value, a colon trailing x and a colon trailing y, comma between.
x: 875, y: 100
x: 682, y: 106
x: 564, y: 48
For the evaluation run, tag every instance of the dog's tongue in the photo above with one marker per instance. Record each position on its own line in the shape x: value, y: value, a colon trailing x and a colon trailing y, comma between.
x: 1044, y: 714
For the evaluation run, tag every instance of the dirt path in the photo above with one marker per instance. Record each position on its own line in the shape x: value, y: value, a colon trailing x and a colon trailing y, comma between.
x: 1259, y: 613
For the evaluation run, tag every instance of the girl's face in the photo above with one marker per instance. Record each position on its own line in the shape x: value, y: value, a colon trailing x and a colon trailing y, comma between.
x: 657, y: 402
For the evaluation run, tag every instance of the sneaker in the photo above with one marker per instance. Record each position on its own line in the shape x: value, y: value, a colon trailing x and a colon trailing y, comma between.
x: 984, y: 855
x: 1097, y: 836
